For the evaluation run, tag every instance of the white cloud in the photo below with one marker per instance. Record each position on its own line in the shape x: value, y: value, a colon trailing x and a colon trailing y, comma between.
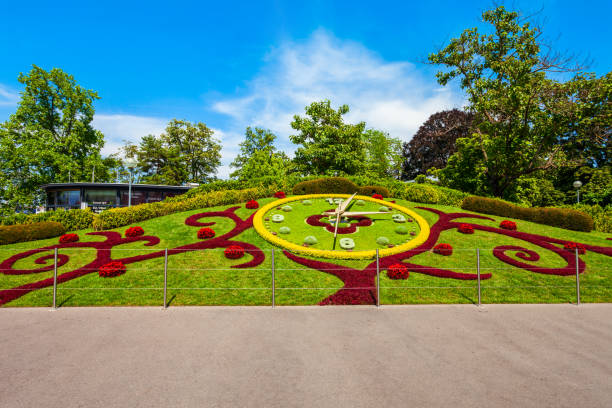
x: 390, y: 96
x: 120, y: 128
x: 8, y: 97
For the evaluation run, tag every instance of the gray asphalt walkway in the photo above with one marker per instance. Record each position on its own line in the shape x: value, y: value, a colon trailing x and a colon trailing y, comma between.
x: 413, y: 356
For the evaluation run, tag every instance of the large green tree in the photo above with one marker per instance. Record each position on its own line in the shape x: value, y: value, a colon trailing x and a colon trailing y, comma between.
x: 383, y: 154
x: 327, y: 143
x: 520, y: 111
x: 48, y: 138
x: 259, y: 157
x: 185, y: 152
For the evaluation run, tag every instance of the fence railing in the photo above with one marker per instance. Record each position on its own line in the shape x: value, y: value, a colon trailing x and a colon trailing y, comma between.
x: 380, y: 291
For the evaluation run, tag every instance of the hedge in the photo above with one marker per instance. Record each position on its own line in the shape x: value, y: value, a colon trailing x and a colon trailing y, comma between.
x: 554, y: 216
x: 10, y: 234
x: 118, y: 217
x: 72, y: 219
x: 336, y: 185
x: 432, y: 194
x: 602, y: 216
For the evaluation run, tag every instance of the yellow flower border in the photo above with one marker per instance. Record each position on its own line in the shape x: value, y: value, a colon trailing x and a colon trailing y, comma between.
x: 326, y: 253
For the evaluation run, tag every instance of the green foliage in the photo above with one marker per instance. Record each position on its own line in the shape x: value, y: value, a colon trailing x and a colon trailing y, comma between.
x: 30, y: 232
x: 259, y: 157
x: 327, y: 144
x: 371, y: 190
x: 432, y: 194
x: 339, y: 185
x: 534, y: 192
x: 73, y: 220
x: 557, y: 217
x: 118, y: 217
x: 420, y: 179
x: 48, y: 136
x: 598, y: 190
x: 602, y: 216
x: 383, y: 154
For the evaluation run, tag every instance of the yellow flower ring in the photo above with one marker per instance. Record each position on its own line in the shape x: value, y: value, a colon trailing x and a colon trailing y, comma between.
x: 326, y: 253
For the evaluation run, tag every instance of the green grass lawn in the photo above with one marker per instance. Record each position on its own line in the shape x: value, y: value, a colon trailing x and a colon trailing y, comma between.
x: 206, y: 277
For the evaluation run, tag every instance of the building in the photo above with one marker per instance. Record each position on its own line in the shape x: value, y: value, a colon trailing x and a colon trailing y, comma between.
x: 100, y: 196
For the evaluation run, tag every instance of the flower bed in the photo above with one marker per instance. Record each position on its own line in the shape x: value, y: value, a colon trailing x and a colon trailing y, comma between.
x: 252, y: 204
x: 134, y: 232
x: 508, y: 225
x: 280, y: 194
x: 465, y: 229
x: 234, y: 252
x: 112, y: 269
x: 205, y: 233
x: 572, y: 246
x: 67, y: 238
x: 377, y: 196
x: 398, y: 271
x: 443, y: 249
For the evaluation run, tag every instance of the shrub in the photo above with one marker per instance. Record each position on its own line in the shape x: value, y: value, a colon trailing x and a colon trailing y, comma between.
x: 252, y: 204
x: 373, y: 190
x: 572, y: 246
x: 72, y: 220
x: 557, y: 217
x: 134, y: 232
x: 67, y: 238
x: 204, y: 233
x: 310, y: 240
x: 602, y: 216
x: 234, y: 252
x: 11, y: 234
x: 377, y: 196
x: 112, y: 269
x: 443, y: 249
x: 398, y: 271
x: 508, y: 225
x: 339, y: 185
x: 280, y: 194
x: 422, y: 193
x: 465, y: 229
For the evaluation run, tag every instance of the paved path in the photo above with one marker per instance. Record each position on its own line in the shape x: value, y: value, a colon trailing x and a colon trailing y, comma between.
x: 413, y: 356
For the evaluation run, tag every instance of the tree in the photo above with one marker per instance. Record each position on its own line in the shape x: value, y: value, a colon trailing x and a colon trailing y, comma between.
x: 259, y: 157
x: 434, y: 142
x: 519, y: 111
x: 49, y: 137
x: 383, y: 154
x: 327, y: 144
x: 186, y: 152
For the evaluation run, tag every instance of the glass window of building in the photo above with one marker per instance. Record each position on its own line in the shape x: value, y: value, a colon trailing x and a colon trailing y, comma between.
x: 68, y: 198
x: 138, y: 197
x: 153, y: 196
x: 100, y: 197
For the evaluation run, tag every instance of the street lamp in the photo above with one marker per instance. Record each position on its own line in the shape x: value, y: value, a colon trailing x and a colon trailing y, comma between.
x: 577, y: 185
x: 130, y: 163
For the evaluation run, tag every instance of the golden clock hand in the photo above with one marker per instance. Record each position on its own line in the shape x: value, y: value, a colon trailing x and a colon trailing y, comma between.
x: 346, y: 214
x: 345, y: 204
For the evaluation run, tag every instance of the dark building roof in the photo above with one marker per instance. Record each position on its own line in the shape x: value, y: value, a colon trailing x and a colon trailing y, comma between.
x: 116, y: 185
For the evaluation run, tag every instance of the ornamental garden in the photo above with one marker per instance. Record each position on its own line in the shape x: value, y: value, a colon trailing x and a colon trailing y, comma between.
x: 327, y: 246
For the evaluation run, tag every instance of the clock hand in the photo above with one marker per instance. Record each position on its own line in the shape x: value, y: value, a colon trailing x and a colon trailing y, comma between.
x: 347, y: 214
x: 345, y: 204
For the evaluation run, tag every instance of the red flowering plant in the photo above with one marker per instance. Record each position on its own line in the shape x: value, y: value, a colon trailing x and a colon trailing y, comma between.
x: 398, y: 271
x: 252, y: 204
x: 280, y: 194
x: 134, y: 232
x: 443, y: 249
x: 466, y: 229
x: 204, y: 233
x: 66, y: 238
x: 508, y: 225
x: 377, y: 196
x: 572, y: 246
x: 112, y: 269
x: 234, y: 252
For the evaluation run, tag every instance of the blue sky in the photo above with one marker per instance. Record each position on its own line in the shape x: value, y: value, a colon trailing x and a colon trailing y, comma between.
x: 234, y: 64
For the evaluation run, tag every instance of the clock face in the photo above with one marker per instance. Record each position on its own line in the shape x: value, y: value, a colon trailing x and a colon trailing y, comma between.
x: 307, y: 224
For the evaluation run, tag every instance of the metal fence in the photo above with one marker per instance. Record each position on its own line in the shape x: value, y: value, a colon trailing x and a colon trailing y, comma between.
x: 164, y: 265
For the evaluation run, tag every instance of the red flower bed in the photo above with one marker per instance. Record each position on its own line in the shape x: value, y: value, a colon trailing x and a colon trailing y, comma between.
x: 134, y: 232
x: 443, y: 249
x: 508, y: 225
x: 571, y: 246
x: 466, y: 229
x: 398, y: 271
x: 234, y: 252
x: 280, y: 194
x: 66, y: 238
x: 377, y: 196
x: 205, y: 233
x: 112, y: 269
x: 252, y: 204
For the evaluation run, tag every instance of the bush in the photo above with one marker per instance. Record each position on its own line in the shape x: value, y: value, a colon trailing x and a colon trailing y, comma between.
x: 556, y: 217
x: 252, y: 204
x: 602, y: 216
x: 443, y: 249
x: 134, y: 232
x: 432, y: 194
x: 398, y: 271
x: 573, y: 246
x: 112, y: 269
x: 373, y: 190
x: 11, y: 234
x: 118, y: 217
x: 205, y: 233
x: 234, y: 252
x: 508, y: 225
x: 67, y: 238
x: 72, y: 219
x: 339, y: 185
x: 465, y: 229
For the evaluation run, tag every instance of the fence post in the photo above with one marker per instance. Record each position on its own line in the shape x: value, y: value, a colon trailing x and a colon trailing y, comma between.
x: 55, y: 279
x: 577, y: 280
x: 166, y: 278
x: 377, y: 279
x: 478, y: 272
x: 273, y: 280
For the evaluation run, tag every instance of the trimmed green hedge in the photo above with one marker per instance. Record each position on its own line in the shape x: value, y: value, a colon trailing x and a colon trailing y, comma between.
x: 602, y: 216
x: 10, y: 234
x: 432, y: 194
x: 557, y: 217
x: 119, y: 217
x: 72, y: 219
